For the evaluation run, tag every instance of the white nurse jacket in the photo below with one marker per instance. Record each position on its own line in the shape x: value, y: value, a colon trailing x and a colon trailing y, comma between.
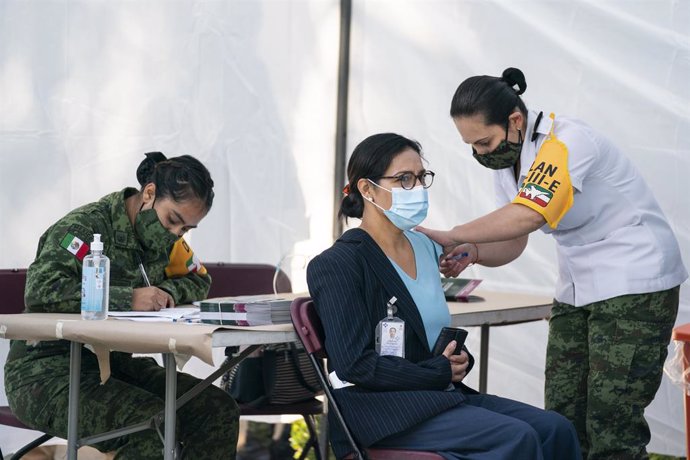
x: 614, y: 240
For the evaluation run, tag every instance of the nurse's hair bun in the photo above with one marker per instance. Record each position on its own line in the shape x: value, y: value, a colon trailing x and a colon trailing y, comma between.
x: 148, y: 166
x: 514, y: 77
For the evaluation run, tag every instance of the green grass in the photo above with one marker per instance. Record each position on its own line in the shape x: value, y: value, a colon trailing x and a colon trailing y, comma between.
x: 664, y: 457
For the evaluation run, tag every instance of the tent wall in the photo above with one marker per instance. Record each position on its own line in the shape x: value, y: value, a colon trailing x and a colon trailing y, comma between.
x: 249, y: 87
x: 86, y: 87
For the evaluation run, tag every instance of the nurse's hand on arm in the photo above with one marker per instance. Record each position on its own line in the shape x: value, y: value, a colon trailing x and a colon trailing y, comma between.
x: 506, y: 223
x: 458, y: 363
x: 500, y: 237
x: 151, y: 298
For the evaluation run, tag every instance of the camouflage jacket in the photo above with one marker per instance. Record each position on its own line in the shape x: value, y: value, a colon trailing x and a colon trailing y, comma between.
x: 54, y: 278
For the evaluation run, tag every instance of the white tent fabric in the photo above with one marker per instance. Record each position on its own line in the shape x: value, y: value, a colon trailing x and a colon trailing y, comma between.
x: 249, y: 87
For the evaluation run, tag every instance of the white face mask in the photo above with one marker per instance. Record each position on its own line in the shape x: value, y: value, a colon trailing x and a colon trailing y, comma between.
x: 408, y: 208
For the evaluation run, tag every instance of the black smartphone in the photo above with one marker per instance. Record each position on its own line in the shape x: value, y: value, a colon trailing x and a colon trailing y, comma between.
x: 446, y: 335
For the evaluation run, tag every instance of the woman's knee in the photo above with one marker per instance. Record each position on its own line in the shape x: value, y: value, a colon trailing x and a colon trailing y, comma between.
x: 560, y: 425
x: 561, y: 441
x: 518, y: 439
x: 528, y: 444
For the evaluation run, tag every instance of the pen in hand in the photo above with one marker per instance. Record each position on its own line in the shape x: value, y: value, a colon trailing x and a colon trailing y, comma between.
x: 143, y: 272
x: 460, y: 256
x: 157, y: 297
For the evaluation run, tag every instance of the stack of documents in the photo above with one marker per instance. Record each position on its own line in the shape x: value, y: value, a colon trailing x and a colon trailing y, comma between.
x: 182, y: 313
x: 245, y: 310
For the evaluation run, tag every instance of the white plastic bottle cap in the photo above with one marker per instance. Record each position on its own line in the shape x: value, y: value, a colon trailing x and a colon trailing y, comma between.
x: 97, y: 244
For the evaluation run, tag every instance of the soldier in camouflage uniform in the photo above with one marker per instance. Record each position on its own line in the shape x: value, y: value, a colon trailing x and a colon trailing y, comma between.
x: 604, y: 365
x: 136, y: 226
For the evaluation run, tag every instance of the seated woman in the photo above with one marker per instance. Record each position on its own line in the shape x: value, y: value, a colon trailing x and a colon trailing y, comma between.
x: 142, y: 235
x: 409, y: 403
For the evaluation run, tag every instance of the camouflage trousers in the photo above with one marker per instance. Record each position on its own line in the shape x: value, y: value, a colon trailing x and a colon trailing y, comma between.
x: 604, y: 365
x: 38, y: 387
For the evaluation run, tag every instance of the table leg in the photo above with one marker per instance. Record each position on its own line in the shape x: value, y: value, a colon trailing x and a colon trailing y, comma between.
x: 73, y: 407
x: 686, y: 394
x: 483, y: 357
x: 170, y: 402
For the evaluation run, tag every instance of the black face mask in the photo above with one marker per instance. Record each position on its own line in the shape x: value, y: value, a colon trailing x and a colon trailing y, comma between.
x: 504, y: 156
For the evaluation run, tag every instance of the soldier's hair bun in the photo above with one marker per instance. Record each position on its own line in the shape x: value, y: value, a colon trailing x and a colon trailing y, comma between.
x: 148, y: 166
x: 514, y: 77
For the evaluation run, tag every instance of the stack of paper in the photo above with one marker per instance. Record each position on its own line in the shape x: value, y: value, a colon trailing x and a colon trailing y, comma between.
x: 245, y: 311
x: 183, y: 313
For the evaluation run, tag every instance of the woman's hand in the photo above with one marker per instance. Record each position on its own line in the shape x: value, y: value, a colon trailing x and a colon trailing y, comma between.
x: 458, y: 363
x: 442, y: 237
x: 151, y: 298
x: 457, y: 258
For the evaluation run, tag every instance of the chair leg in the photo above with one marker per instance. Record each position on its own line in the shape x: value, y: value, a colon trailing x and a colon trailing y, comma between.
x: 35, y: 443
x: 313, y: 441
x: 305, y: 450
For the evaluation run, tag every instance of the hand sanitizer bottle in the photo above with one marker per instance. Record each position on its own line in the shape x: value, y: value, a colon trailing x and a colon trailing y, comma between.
x: 95, y: 282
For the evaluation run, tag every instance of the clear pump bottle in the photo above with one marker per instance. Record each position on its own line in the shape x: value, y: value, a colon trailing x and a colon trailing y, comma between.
x: 95, y: 282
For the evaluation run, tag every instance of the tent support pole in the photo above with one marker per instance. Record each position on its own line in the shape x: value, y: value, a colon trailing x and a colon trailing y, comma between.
x: 341, y: 112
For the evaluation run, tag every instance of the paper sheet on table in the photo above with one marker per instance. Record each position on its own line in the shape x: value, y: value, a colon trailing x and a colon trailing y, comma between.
x: 165, y: 314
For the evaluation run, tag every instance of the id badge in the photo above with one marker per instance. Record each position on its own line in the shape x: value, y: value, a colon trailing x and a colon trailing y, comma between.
x: 390, y: 334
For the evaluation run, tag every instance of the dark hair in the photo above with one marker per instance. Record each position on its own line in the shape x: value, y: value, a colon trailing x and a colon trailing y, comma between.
x: 179, y: 178
x: 495, y: 98
x: 369, y: 160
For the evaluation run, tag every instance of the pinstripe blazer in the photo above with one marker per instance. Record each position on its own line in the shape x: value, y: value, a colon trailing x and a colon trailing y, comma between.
x: 350, y: 284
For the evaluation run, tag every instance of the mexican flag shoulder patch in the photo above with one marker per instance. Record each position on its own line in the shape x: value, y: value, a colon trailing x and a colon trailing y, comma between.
x: 536, y: 194
x: 75, y: 246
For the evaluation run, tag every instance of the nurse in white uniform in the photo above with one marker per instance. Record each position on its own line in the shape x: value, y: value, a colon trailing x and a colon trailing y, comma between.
x: 619, y: 263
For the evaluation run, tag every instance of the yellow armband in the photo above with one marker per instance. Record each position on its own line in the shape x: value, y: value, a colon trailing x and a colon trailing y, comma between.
x: 183, y: 261
x: 547, y: 188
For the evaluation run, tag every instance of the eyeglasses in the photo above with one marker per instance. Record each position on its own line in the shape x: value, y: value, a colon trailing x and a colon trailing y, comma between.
x: 408, y: 180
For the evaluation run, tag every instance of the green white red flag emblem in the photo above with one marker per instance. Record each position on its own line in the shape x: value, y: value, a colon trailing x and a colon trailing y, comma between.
x: 536, y: 194
x: 193, y: 263
x: 74, y: 245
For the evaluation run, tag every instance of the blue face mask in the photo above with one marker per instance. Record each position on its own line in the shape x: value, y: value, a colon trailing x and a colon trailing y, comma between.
x: 408, y: 208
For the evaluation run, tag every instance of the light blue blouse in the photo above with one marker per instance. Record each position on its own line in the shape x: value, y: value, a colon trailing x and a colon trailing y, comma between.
x: 426, y: 290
